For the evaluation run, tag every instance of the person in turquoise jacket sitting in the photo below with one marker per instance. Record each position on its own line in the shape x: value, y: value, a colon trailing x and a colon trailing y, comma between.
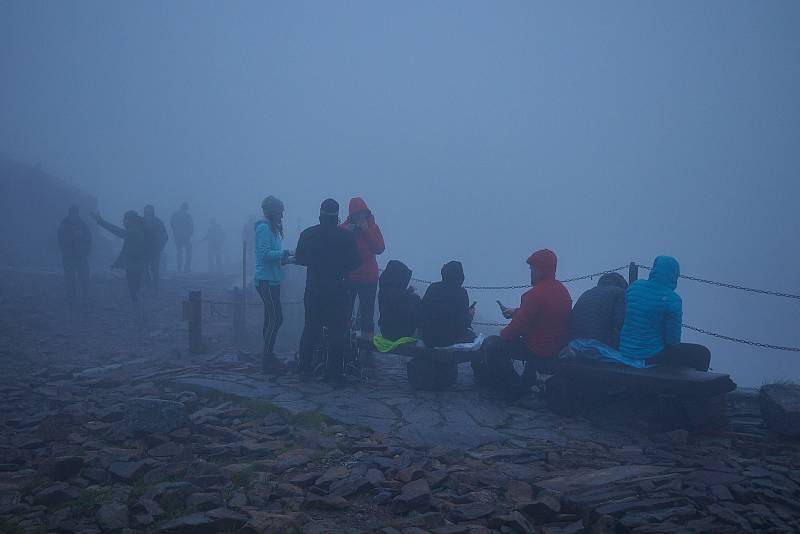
x: 653, y: 316
x: 270, y: 258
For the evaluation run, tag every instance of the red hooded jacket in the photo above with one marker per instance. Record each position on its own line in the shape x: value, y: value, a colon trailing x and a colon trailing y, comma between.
x: 370, y: 243
x: 542, y: 319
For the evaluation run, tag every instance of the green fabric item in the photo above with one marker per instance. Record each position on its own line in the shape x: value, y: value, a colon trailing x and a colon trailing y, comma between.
x: 387, y: 345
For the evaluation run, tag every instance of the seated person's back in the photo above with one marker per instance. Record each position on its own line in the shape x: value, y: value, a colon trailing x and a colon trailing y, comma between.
x: 446, y: 316
x: 400, y: 308
x: 653, y: 311
x: 599, y: 312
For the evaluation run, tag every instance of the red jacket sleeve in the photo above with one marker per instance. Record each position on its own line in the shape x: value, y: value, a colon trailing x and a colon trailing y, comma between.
x: 523, y: 318
x: 374, y: 238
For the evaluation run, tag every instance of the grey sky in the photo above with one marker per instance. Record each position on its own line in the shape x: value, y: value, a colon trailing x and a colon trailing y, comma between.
x: 478, y: 131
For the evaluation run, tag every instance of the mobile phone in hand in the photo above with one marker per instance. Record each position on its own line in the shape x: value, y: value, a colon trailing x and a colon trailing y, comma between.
x: 473, y: 304
x: 502, y: 308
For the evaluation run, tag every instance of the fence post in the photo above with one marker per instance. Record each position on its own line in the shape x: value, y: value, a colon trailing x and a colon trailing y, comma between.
x: 238, y: 318
x: 194, y: 315
x: 633, y: 272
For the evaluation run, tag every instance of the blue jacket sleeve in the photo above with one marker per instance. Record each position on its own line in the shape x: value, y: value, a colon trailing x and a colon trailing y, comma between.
x: 267, y: 246
x: 673, y: 321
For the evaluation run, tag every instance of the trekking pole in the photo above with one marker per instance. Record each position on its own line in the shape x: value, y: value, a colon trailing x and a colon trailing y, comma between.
x: 633, y: 272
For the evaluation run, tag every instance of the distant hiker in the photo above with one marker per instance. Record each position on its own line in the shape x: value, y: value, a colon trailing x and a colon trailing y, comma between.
x: 399, y: 306
x: 653, y: 317
x: 537, y: 332
x: 446, y: 311
x: 157, y: 237
x: 599, y: 312
x: 134, y: 254
x: 330, y: 253
x: 270, y: 257
x: 182, y: 230
x: 75, y: 242
x: 364, y: 280
x: 215, y: 237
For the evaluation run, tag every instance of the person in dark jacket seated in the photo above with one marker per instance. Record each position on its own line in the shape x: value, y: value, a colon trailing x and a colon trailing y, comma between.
x: 599, y: 312
x: 446, y: 312
x: 400, y: 307
x: 653, y: 317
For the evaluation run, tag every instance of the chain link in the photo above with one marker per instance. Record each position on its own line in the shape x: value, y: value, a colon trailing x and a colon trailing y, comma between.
x: 743, y: 341
x: 526, y: 286
x: 732, y: 286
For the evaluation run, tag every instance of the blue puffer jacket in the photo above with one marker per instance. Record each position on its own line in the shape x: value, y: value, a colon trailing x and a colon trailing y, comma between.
x: 653, y: 311
x: 268, y: 254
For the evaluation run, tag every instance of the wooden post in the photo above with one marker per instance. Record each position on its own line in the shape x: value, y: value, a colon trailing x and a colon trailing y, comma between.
x: 194, y: 314
x: 633, y: 272
x: 238, y: 318
x: 244, y: 285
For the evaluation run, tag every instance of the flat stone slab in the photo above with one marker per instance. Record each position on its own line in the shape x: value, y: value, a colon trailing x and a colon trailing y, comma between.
x: 599, y: 477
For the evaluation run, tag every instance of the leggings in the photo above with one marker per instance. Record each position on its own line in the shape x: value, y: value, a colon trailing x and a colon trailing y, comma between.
x: 273, y: 314
x: 366, y: 304
x: 134, y: 277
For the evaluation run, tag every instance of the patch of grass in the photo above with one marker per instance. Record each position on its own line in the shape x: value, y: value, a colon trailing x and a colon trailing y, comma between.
x: 11, y: 528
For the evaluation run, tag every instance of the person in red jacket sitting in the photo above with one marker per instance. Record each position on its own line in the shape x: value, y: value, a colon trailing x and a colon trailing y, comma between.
x: 364, y: 280
x: 537, y: 332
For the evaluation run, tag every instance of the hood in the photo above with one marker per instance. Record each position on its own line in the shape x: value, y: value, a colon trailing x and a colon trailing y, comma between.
x: 666, y: 271
x: 396, y: 275
x: 357, y: 205
x: 544, y: 261
x: 614, y: 280
x: 453, y: 273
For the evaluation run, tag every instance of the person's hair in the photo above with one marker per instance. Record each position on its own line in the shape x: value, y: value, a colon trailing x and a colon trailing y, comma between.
x: 275, y: 225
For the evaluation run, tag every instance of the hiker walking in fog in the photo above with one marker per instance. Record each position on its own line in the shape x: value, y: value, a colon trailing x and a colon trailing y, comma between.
x: 363, y: 281
x: 330, y: 253
x: 157, y: 237
x: 133, y: 256
x: 75, y: 242
x: 182, y: 230
x: 215, y: 238
x: 270, y: 257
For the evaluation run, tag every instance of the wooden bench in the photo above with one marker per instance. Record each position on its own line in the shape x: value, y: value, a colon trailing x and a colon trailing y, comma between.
x: 427, y: 369
x: 682, y: 398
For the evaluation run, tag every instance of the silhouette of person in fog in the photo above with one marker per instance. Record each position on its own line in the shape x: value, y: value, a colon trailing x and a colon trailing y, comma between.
x: 75, y: 242
x: 157, y: 238
x: 215, y: 238
x: 182, y: 229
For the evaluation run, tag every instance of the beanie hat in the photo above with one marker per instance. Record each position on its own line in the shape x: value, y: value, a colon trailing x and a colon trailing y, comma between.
x: 271, y: 206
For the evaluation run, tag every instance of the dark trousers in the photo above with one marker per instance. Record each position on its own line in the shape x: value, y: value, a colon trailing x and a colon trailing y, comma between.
x: 76, y: 273
x: 684, y: 355
x: 325, y: 307
x: 152, y: 271
x: 366, y: 305
x: 184, y: 254
x: 273, y: 314
x: 500, y: 354
x: 134, y: 276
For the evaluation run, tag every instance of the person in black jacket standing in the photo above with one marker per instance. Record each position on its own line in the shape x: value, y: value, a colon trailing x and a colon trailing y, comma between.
x: 600, y: 311
x: 446, y: 312
x: 400, y: 308
x: 329, y: 253
x: 157, y: 237
x: 75, y: 242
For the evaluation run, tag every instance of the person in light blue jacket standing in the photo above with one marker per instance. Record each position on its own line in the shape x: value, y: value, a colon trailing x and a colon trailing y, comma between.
x: 653, y: 317
x: 270, y: 258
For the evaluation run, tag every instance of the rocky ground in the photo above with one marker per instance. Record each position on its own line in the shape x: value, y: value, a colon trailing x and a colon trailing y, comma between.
x: 109, y: 427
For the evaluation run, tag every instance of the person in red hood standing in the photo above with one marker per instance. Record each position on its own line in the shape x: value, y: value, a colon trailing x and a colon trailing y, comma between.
x: 537, y: 332
x: 364, y: 280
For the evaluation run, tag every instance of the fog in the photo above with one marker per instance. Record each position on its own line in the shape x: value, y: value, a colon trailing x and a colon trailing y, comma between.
x: 477, y: 131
